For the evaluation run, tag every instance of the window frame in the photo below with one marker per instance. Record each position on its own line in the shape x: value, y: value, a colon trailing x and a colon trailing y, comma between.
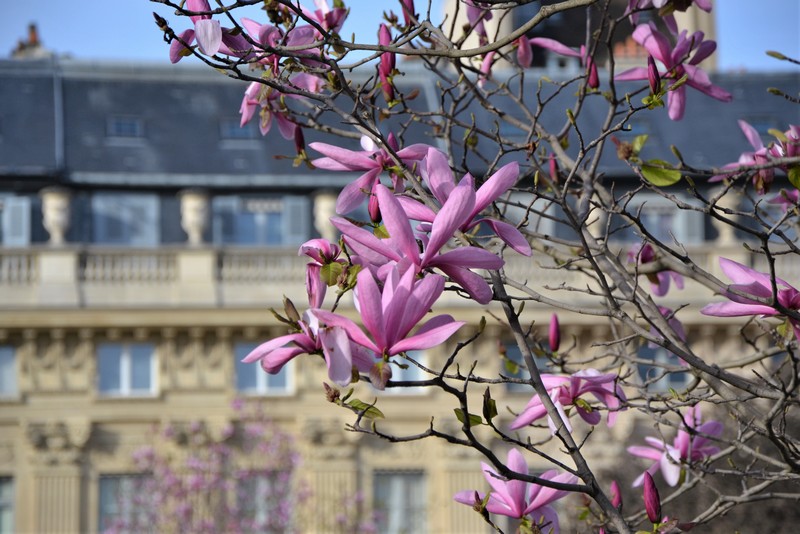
x: 126, y: 371
x: 417, y: 512
x: 115, y: 130
x: 7, y: 483
x: 128, y: 505
x: 262, y: 387
x: 13, y: 392
x: 668, y: 381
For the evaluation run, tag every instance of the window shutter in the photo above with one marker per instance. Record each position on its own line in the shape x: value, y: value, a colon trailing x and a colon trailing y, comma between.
x: 296, y: 219
x: 16, y: 221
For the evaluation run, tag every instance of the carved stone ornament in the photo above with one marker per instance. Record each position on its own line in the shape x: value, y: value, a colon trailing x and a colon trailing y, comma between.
x: 194, y: 214
x: 58, y: 442
x: 56, y: 213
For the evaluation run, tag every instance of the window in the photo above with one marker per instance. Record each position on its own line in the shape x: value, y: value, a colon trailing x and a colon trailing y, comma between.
x: 659, y: 379
x: 8, y: 371
x: 126, y: 369
x: 6, y: 505
x: 411, y: 372
x: 122, y: 126
x: 514, y: 367
x: 230, y: 129
x: 15, y: 221
x: 125, y: 219
x: 253, y: 380
x: 122, y: 504
x: 258, y: 496
x: 261, y: 221
x: 663, y: 220
x: 399, y: 501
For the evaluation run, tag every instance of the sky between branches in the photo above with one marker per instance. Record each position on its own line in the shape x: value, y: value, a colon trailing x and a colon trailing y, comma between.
x: 124, y: 29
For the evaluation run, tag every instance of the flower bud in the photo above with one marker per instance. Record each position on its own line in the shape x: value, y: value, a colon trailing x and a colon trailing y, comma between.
x: 653, y: 77
x: 652, y: 501
x: 554, y: 334
x: 408, y: 11
x: 299, y: 140
x: 374, y: 208
x: 331, y: 394
x: 616, y: 495
x: 553, y: 169
x: 594, y: 78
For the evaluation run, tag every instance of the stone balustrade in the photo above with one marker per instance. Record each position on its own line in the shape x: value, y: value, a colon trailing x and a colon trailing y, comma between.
x: 101, y: 277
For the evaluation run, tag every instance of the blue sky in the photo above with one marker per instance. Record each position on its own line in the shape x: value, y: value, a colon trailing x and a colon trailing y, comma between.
x: 124, y: 29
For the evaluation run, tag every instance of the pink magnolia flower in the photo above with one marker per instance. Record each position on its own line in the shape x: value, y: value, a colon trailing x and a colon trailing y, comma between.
x: 207, y: 31
x: 692, y: 444
x: 329, y: 19
x: 439, y: 177
x: 476, y: 15
x: 323, y: 253
x: 676, y: 63
x: 409, y: 13
x: 271, y: 103
x: 518, y: 499
x: 786, y: 199
x: 763, y: 177
x: 402, y: 248
x: 659, y: 282
x: 372, y: 159
x: 339, y: 353
x: 669, y: 20
x: 387, y: 64
x: 389, y: 314
x: 758, y: 285
x: 525, y: 55
x: 566, y: 391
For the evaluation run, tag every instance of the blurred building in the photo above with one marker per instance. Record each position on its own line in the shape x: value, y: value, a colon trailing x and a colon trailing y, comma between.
x: 144, y: 238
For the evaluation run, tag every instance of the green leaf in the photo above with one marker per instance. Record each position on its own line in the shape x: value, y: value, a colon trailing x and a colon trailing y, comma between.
x: 471, y: 419
x: 779, y: 135
x: 489, y: 406
x: 638, y: 143
x: 380, y: 232
x: 368, y: 410
x: 658, y: 176
x: 511, y: 366
x: 794, y: 176
x: 330, y: 273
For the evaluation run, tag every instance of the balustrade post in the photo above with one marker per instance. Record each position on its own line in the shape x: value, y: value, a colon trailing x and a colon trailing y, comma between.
x: 59, y: 277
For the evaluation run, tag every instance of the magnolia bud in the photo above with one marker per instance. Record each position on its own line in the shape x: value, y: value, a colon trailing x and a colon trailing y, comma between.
x: 553, y: 168
x: 652, y: 501
x: 374, y: 209
x: 299, y: 140
x: 594, y: 78
x: 554, y: 334
x: 653, y: 77
x: 331, y: 394
x: 616, y: 495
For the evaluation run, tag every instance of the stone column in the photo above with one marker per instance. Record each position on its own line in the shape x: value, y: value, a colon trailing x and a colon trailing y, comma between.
x: 324, y: 209
x: 194, y: 214
x: 56, y: 213
x: 56, y: 460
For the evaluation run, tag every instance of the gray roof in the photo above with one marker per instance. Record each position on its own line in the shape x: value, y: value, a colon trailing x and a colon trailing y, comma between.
x: 182, y: 107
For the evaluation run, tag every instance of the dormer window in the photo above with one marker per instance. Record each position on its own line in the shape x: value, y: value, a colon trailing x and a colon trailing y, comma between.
x: 125, y: 126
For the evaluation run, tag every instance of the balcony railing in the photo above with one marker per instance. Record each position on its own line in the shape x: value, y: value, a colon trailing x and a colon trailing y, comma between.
x: 95, y: 277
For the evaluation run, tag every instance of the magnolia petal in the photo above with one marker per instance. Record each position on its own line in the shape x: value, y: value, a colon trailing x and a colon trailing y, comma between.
x: 500, y: 182
x: 735, y: 309
x: 336, y: 348
x: 265, y: 348
x: 428, y: 337
x: 276, y: 359
x: 636, y: 73
x: 454, y: 213
x: 176, y: 47
x: 439, y: 175
x: 397, y: 223
x: 209, y: 36
x: 416, y: 211
x: 469, y: 258
x: 472, y: 283
x: 370, y: 310
x: 555, y: 46
x: 350, y: 159
x: 353, y: 331
x: 510, y: 235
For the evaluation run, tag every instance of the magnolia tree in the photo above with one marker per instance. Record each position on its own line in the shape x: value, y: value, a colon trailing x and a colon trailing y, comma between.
x: 432, y: 226
x: 238, y: 478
